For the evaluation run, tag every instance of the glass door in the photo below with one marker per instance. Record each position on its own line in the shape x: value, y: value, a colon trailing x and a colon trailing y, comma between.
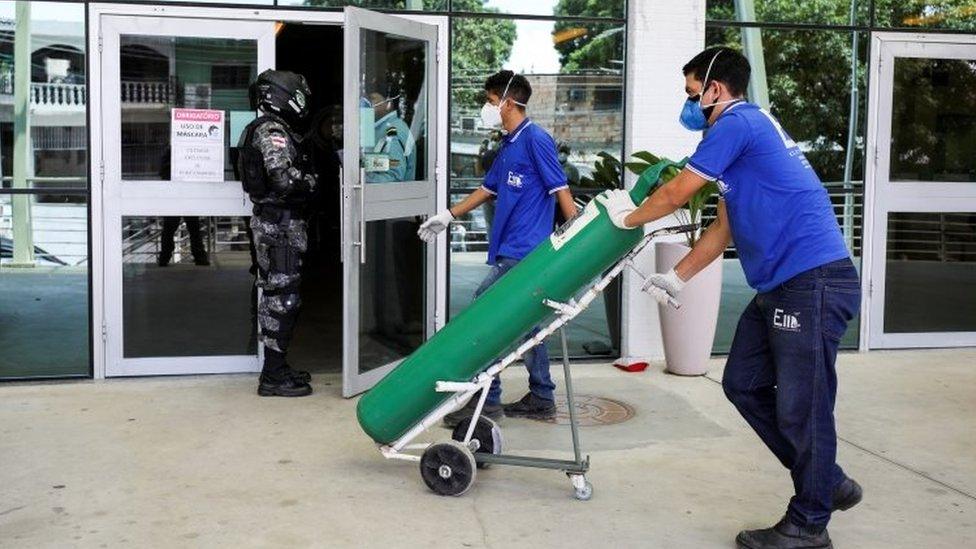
x: 389, y: 167
x: 922, y: 282
x: 174, y: 99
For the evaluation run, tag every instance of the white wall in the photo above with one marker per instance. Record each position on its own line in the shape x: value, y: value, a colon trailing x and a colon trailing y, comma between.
x: 662, y: 35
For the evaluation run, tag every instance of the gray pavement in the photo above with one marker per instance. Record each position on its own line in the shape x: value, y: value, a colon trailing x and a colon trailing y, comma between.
x: 203, y: 462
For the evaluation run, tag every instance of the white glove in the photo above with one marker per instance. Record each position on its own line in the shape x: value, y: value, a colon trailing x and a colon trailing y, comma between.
x: 664, y: 287
x: 618, y: 205
x: 435, y: 225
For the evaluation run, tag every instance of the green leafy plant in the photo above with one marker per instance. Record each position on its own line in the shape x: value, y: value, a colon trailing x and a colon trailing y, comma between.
x: 696, y: 205
x: 606, y: 173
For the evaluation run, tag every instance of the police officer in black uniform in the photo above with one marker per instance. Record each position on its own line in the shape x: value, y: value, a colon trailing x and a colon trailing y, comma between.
x: 277, y: 174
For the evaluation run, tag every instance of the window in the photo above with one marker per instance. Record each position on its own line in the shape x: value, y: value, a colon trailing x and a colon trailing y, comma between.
x: 575, y: 69
x: 231, y: 77
x: 808, y: 84
x: 44, y: 326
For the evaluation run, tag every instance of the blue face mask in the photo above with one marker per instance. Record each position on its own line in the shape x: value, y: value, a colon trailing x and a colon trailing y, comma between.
x: 692, y: 117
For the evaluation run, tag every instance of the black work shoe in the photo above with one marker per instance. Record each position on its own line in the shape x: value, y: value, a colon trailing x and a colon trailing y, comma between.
x: 785, y: 535
x: 490, y: 411
x: 847, y: 495
x: 283, y: 385
x: 532, y: 407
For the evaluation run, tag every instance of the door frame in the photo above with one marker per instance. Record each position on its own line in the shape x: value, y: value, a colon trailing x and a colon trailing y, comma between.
x: 97, y: 148
x: 881, y: 196
x: 380, y: 201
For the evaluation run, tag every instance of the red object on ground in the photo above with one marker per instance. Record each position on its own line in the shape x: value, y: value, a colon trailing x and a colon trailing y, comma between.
x: 632, y: 367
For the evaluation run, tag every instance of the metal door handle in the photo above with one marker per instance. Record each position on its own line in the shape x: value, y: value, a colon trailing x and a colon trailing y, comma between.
x: 361, y: 187
x: 342, y: 216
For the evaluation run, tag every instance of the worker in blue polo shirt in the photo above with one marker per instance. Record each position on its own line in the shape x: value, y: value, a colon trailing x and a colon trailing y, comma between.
x: 780, y: 371
x: 526, y: 181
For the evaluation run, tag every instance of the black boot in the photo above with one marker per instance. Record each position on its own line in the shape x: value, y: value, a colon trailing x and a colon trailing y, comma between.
x: 785, y: 535
x: 281, y: 383
x: 490, y: 411
x: 847, y: 495
x: 532, y: 407
x: 299, y: 375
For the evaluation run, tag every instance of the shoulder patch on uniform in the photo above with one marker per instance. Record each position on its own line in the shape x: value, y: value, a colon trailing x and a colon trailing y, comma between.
x: 274, y: 133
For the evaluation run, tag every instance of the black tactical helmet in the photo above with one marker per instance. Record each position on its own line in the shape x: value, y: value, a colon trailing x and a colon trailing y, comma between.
x: 283, y: 93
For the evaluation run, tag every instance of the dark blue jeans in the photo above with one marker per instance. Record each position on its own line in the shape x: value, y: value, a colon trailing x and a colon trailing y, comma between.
x: 536, y: 359
x: 780, y: 376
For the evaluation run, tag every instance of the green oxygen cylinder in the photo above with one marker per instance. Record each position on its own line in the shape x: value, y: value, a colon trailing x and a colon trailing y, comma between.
x: 557, y: 269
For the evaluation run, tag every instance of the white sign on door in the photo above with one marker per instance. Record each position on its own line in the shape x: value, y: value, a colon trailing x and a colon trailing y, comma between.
x: 197, y: 145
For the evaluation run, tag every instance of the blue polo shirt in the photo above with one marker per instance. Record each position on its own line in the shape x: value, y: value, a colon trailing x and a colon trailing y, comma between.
x: 524, y: 177
x: 781, y: 218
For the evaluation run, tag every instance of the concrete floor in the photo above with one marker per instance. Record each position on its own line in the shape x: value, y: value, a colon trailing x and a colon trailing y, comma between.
x: 203, y: 462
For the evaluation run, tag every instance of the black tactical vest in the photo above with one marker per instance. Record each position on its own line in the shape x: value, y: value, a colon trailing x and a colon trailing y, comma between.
x: 250, y: 170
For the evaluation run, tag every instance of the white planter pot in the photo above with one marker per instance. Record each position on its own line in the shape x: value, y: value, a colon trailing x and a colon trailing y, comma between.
x: 689, y: 332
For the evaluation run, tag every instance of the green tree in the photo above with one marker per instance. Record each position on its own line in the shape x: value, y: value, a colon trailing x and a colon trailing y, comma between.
x: 479, y: 47
x: 944, y: 14
x: 808, y: 72
x: 589, y: 45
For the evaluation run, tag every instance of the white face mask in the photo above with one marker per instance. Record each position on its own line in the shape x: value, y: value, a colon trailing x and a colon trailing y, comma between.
x: 491, y: 115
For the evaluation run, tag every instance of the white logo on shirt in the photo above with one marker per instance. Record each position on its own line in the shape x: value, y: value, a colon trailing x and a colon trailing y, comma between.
x: 723, y: 187
x: 786, y: 321
x: 515, y: 180
x: 787, y: 140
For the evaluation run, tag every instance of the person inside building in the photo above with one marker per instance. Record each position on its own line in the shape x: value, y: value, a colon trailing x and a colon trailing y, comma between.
x: 780, y: 371
x: 393, y: 140
x: 570, y: 169
x: 487, y: 152
x: 526, y: 182
x: 171, y: 224
x: 324, y: 146
x: 277, y: 174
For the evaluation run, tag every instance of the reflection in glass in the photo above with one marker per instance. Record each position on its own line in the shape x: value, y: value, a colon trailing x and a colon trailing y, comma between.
x: 933, y: 132
x: 812, y: 100
x: 413, y: 5
x: 576, y: 73
x: 822, y: 12
x: 54, y: 88
x: 559, y: 8
x: 809, y: 86
x: 917, y: 14
x: 930, y: 274
x: 185, y: 306
x: 393, y: 291
x: 160, y: 73
x: 393, y: 107
x: 43, y: 286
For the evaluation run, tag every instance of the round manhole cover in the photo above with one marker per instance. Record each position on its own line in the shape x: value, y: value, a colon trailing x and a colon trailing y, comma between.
x: 593, y: 410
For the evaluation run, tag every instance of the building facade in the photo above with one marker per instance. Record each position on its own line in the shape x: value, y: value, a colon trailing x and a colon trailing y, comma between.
x: 115, y: 262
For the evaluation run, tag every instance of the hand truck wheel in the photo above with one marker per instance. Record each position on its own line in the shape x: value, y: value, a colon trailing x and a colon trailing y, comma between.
x: 448, y: 468
x: 582, y: 489
x: 486, y: 438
